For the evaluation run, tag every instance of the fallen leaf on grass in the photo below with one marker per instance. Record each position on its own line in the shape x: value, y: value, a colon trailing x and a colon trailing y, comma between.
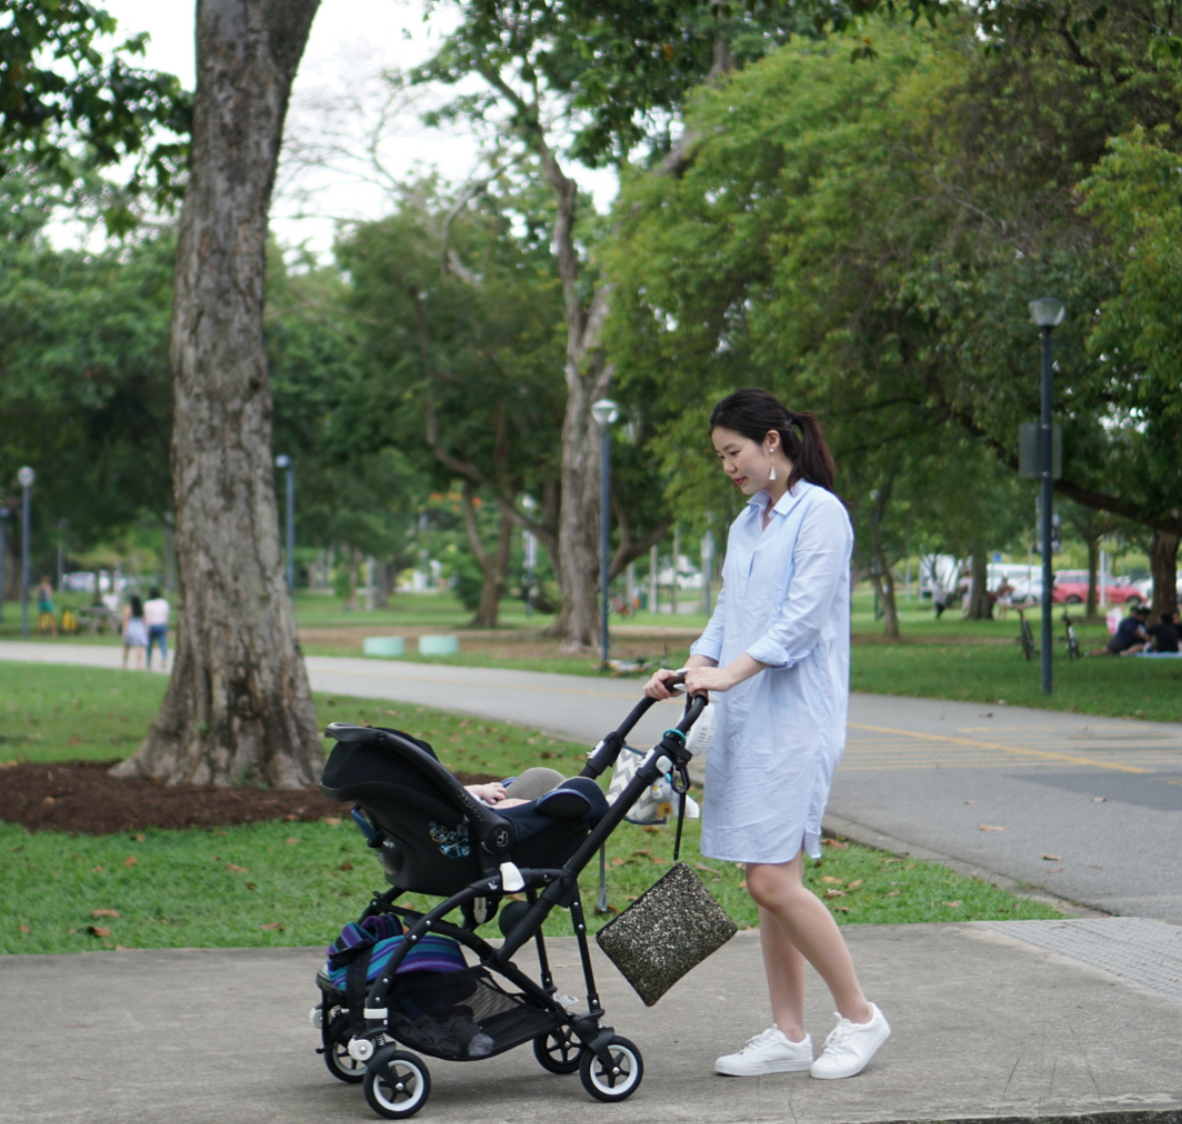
x: 346, y: 865
x: 1052, y: 858
x: 332, y: 821
x: 835, y: 893
x: 989, y: 827
x: 831, y: 879
x: 274, y: 927
x: 617, y: 861
x: 23, y: 929
x: 129, y: 861
x: 104, y: 913
x: 291, y: 841
x: 708, y: 869
x: 855, y: 883
x: 894, y: 893
x: 237, y: 869
x: 836, y: 844
x: 953, y: 905
x: 98, y: 931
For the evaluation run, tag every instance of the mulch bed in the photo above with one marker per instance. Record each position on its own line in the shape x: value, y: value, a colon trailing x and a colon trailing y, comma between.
x: 82, y: 796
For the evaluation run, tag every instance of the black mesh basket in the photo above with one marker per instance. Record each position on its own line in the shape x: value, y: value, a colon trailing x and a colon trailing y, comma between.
x: 462, y: 1016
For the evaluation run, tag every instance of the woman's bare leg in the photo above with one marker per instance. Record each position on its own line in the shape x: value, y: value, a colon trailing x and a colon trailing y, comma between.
x: 808, y: 928
x: 784, y: 967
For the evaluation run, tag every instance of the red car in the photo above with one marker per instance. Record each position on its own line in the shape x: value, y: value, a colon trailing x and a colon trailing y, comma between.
x: 1071, y: 588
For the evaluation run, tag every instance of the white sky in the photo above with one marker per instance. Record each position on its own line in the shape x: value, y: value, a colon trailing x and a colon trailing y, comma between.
x: 336, y: 90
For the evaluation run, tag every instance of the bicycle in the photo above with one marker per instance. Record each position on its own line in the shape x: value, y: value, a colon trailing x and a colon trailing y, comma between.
x: 1070, y: 639
x: 1026, y: 637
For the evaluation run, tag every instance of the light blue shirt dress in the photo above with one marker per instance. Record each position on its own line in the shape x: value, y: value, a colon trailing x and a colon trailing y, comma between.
x: 785, y: 601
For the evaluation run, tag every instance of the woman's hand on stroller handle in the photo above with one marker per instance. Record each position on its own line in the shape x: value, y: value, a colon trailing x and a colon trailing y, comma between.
x: 665, y: 683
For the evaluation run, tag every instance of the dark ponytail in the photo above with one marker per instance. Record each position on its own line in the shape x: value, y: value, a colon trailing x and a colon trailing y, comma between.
x: 755, y: 413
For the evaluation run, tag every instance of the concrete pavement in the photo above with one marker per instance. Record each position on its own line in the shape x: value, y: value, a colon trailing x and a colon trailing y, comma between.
x: 986, y: 1026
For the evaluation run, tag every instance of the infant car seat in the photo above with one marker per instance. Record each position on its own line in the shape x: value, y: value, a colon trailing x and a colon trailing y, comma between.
x: 434, y: 836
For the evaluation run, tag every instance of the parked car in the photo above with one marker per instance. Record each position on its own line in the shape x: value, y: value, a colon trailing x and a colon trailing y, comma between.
x: 1071, y: 588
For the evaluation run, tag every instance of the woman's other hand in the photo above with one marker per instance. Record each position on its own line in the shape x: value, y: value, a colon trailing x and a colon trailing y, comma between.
x: 659, y: 686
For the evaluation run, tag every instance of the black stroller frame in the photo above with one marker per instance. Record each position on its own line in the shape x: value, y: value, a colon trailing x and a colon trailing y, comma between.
x: 363, y: 1038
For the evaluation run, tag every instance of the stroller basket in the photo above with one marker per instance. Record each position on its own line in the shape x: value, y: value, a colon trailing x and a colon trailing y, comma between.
x: 462, y: 1015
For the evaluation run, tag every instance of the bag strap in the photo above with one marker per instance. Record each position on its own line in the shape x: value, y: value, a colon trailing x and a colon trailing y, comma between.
x: 680, y: 783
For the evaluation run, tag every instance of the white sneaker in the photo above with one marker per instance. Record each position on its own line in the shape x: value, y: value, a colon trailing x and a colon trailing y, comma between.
x: 850, y: 1046
x: 769, y: 1052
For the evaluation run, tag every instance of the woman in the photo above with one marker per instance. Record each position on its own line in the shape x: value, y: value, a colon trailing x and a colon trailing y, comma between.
x: 135, y: 631
x: 776, y: 652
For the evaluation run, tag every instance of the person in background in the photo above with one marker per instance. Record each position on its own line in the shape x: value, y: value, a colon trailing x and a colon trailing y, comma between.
x: 45, y: 618
x: 135, y: 632
x: 1164, y: 636
x: 1130, y: 636
x: 156, y: 618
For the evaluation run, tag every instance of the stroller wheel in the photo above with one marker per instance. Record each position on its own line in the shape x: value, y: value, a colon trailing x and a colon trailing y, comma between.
x: 396, y: 1084
x: 618, y: 1081
x: 341, y: 1064
x: 559, y: 1051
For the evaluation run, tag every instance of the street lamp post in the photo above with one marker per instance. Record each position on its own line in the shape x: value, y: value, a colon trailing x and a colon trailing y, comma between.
x: 605, y: 411
x: 25, y: 478
x: 1047, y: 313
x: 285, y: 462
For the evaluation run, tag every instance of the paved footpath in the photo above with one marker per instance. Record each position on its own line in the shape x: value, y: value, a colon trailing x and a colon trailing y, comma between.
x: 1073, y: 1020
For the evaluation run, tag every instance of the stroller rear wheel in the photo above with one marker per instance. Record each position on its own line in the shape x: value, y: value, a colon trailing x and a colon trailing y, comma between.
x: 619, y: 1080
x: 396, y: 1084
x: 559, y: 1051
x: 341, y: 1064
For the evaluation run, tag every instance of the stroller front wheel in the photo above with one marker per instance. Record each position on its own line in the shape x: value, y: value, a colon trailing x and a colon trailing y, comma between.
x: 396, y: 1084
x: 559, y: 1051
x: 618, y: 1080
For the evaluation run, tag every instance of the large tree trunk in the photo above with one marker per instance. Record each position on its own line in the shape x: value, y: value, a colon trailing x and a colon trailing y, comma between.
x: 238, y: 708
x: 1163, y: 559
x: 588, y: 378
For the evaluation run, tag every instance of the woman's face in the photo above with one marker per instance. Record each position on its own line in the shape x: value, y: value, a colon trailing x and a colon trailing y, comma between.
x: 746, y: 462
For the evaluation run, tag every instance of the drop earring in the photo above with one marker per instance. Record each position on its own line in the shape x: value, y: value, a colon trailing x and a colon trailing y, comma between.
x: 772, y: 474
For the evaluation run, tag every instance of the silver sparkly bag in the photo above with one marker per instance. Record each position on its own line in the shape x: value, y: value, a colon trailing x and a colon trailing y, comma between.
x: 672, y: 927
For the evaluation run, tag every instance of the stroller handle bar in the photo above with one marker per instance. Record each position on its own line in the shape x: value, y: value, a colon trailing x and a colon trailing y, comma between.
x: 604, y: 755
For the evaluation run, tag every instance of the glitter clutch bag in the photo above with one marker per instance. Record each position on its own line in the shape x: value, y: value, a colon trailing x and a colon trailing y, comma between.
x: 672, y: 927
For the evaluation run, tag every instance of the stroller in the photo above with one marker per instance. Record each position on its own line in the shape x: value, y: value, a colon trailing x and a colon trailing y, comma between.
x: 398, y: 978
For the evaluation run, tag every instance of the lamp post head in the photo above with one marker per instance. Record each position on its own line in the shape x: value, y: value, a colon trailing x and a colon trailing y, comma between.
x: 25, y: 477
x: 283, y: 461
x: 605, y: 411
x: 1047, y: 312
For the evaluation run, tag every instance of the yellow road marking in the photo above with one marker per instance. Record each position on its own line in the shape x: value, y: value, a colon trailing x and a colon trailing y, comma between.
x: 972, y: 744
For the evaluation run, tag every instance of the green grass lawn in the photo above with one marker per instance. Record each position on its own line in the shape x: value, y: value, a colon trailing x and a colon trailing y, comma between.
x: 296, y: 883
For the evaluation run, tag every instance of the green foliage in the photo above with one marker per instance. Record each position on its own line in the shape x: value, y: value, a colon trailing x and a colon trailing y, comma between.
x: 863, y: 239
x: 67, y: 109
x: 1133, y: 196
x: 84, y: 374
